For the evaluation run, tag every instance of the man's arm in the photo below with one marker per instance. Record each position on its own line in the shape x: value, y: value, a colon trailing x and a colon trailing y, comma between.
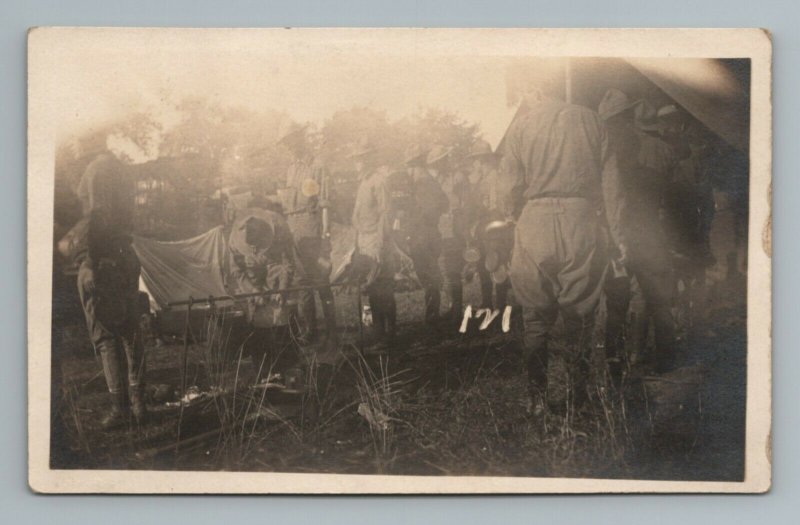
x: 83, y: 191
x: 613, y: 195
x: 384, y: 201
x: 240, y: 274
x: 510, y: 176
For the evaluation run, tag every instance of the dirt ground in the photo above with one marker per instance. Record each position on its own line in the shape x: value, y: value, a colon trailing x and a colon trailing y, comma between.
x: 438, y: 403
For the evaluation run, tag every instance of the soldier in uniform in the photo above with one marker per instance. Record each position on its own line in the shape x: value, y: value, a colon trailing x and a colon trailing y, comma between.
x: 305, y: 203
x: 617, y: 110
x: 263, y: 258
x: 375, y: 255
x: 650, y: 257
x: 481, y: 211
x: 690, y: 205
x: 108, y: 285
x: 559, y: 181
x: 429, y: 202
x: 452, y: 226
x: 263, y: 253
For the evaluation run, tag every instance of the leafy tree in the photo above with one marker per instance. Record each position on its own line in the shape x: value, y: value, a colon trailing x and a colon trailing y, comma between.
x: 344, y: 129
x: 433, y: 126
x: 436, y: 126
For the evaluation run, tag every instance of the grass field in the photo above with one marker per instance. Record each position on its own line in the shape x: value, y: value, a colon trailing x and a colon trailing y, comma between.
x: 440, y: 403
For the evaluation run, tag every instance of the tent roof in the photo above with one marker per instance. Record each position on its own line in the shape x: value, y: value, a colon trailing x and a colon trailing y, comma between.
x: 715, y: 92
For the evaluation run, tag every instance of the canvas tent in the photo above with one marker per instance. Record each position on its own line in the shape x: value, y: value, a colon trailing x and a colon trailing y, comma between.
x: 714, y: 92
x: 175, y: 271
x: 199, y: 267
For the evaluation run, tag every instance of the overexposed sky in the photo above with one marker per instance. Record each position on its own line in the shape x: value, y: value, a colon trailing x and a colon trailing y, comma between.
x: 103, y: 78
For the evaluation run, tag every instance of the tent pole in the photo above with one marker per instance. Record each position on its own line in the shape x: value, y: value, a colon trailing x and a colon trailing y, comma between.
x: 568, y: 80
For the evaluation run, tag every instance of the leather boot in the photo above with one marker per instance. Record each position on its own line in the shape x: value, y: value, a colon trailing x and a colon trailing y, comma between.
x: 391, y: 316
x: 308, y: 319
x: 432, y: 304
x: 535, y: 405
x: 329, y: 312
x: 457, y: 301
x: 378, y: 319
x: 487, y: 287
x: 138, y: 407
x: 616, y: 369
x: 117, y: 415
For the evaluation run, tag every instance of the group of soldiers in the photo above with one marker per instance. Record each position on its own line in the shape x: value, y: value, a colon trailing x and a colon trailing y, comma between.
x: 601, y: 200
x: 436, y: 214
x: 574, y: 208
x: 426, y: 209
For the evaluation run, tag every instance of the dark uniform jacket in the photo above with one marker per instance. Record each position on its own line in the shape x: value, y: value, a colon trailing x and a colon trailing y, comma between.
x: 453, y: 223
x: 107, y: 183
x: 648, y: 187
x: 429, y: 203
x: 482, y: 203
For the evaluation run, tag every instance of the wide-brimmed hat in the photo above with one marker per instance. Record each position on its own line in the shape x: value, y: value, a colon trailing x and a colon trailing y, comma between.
x: 614, y: 102
x: 480, y: 148
x: 364, y: 146
x: 669, y: 111
x: 414, y: 155
x: 255, y: 229
x: 646, y: 117
x: 438, y: 153
x: 289, y: 129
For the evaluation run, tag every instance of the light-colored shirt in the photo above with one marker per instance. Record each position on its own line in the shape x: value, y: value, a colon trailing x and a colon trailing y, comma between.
x: 303, y: 211
x: 557, y: 149
x: 372, y: 202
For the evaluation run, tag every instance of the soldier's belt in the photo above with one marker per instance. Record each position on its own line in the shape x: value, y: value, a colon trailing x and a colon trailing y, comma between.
x: 301, y: 211
x: 558, y: 195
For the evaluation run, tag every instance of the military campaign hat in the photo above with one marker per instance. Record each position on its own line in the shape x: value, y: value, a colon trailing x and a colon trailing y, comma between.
x: 646, y: 117
x: 414, y: 154
x: 363, y: 147
x: 438, y: 153
x: 614, y: 102
x: 288, y: 129
x: 670, y: 110
x: 480, y: 148
x: 257, y: 230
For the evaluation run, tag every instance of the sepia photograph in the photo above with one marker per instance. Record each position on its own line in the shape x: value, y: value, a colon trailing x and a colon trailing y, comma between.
x: 399, y: 260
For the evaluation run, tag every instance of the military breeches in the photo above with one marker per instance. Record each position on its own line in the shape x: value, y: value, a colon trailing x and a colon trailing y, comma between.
x: 383, y: 306
x: 451, y: 264
x: 113, y: 323
x: 313, y: 274
x: 425, y: 252
x: 380, y: 288
x: 618, y: 299
x: 558, y: 265
x: 657, y: 283
x: 489, y: 287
